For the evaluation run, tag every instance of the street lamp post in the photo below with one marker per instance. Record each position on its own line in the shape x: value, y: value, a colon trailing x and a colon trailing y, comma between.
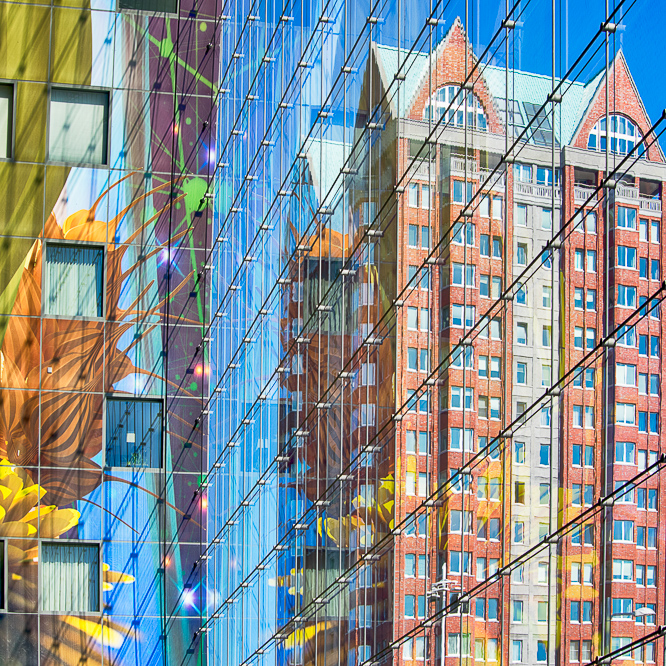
x: 439, y: 590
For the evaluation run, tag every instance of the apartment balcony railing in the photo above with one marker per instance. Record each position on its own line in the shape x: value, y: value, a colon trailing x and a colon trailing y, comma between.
x: 497, y: 180
x: 631, y: 194
x: 458, y: 165
x: 650, y: 205
x: 534, y: 190
x: 582, y: 193
x: 626, y: 192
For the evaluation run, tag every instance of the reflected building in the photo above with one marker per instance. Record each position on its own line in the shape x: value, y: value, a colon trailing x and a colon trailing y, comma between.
x: 327, y: 336
x: 424, y: 395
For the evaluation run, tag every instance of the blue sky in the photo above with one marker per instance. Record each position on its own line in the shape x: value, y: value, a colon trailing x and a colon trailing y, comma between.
x: 641, y: 35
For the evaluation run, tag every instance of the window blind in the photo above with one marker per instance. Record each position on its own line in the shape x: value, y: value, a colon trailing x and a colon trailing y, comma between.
x: 70, y: 577
x: 73, y: 280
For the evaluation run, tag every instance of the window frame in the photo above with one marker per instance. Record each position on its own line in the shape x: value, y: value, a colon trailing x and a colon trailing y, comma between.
x: 118, y: 396
x: 74, y: 244
x: 148, y: 11
x: 100, y: 564
x: 69, y: 87
x: 4, y: 606
x: 11, y: 134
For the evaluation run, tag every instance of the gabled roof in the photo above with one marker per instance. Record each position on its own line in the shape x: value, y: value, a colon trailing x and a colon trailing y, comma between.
x: 414, y: 66
x: 535, y: 88
x: 523, y: 86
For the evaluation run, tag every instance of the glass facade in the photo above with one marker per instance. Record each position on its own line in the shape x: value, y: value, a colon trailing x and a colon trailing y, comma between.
x: 416, y: 357
x: 330, y: 333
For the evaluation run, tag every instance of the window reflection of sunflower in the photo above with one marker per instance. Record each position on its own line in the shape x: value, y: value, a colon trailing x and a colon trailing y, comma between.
x: 65, y: 639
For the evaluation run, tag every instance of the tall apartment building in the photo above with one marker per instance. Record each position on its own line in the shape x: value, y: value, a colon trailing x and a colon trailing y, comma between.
x: 451, y: 411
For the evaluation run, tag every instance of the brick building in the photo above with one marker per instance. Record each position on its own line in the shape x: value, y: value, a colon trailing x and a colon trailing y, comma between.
x: 509, y: 272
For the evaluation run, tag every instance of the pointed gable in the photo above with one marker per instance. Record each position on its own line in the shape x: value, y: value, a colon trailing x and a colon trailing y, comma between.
x: 623, y: 99
x: 447, y: 65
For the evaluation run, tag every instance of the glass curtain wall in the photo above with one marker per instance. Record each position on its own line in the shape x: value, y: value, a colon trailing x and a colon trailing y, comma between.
x: 435, y: 329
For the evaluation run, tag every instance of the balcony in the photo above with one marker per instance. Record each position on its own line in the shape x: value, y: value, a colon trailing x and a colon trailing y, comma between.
x: 650, y: 205
x: 458, y: 166
x: 538, y: 191
x: 626, y: 192
x: 497, y: 180
x: 631, y: 195
x: 474, y: 172
x: 582, y: 193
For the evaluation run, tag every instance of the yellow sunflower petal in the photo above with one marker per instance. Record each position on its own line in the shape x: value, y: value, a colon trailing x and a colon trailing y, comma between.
x: 17, y: 529
x: 24, y: 500
x: 117, y: 577
x: 102, y: 634
x: 58, y: 522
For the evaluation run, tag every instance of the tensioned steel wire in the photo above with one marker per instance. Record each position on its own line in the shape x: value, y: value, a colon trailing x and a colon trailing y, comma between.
x: 492, y: 175
x: 257, y: 319
x: 533, y: 266
x: 204, y: 336
x: 437, y: 496
x: 643, y: 307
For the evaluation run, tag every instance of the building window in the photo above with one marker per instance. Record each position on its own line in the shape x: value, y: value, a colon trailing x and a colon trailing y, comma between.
x: 459, y: 189
x: 516, y: 651
x: 624, y: 135
x: 70, y: 576
x: 521, y: 254
x: 170, y: 6
x: 542, y: 650
x: 626, y: 256
x: 626, y: 374
x: 521, y: 215
x: 622, y: 608
x: 426, y: 197
x: 73, y: 280
x: 625, y: 453
x: 654, y: 232
x: 626, y: 296
x: 78, y: 126
x: 6, y: 120
x: 470, y: 233
x: 623, y: 531
x: 522, y: 172
x: 574, y: 651
x: 133, y: 432
x: 413, y: 231
x: 413, y: 203
x: 626, y: 217
x: 451, y: 102
x: 625, y: 413
x: 454, y: 645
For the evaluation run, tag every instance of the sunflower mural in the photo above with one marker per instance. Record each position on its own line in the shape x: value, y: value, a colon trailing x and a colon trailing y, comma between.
x: 83, y: 357
x: 23, y: 517
x: 51, y: 411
